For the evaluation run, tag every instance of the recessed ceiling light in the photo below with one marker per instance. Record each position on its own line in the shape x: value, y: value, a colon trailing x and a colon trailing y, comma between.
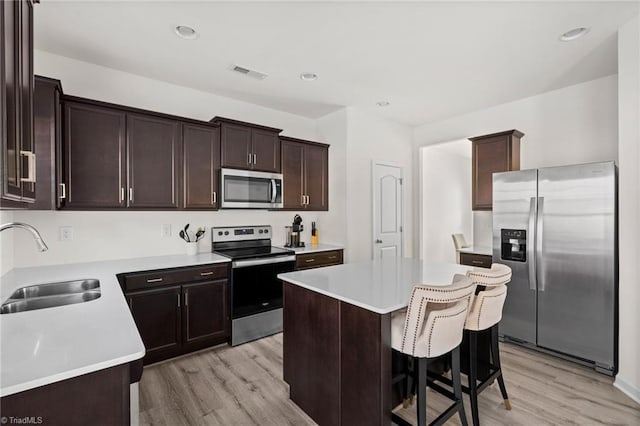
x: 308, y: 76
x: 574, y: 34
x: 185, y: 32
x: 383, y: 103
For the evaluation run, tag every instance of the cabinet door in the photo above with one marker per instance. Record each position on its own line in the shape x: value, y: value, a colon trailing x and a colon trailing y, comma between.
x: 94, y: 140
x: 153, y: 149
x: 11, y: 170
x: 158, y: 318
x: 236, y: 146
x: 201, y: 166
x: 205, y: 313
x: 489, y: 156
x: 316, y: 177
x: 292, y: 174
x: 266, y: 151
x: 25, y: 65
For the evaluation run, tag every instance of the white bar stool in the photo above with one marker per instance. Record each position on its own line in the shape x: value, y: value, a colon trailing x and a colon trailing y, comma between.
x: 432, y: 326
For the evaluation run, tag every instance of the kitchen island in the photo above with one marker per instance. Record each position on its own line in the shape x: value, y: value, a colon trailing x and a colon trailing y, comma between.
x: 337, y: 335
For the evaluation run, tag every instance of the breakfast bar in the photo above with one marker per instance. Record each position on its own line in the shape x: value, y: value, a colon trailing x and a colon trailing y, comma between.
x: 337, y: 335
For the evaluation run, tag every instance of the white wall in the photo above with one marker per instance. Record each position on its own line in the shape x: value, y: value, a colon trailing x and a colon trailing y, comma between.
x: 576, y: 124
x: 628, y: 378
x: 374, y: 138
x: 6, y: 243
x: 446, y: 201
x: 112, y: 235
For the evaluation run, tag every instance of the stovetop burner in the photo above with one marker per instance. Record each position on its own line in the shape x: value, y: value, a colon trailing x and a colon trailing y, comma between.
x: 248, y: 242
x: 253, y: 252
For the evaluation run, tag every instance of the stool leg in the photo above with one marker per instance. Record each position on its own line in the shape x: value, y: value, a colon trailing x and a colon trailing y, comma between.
x: 408, y: 396
x: 495, y: 359
x: 473, y: 376
x: 422, y: 391
x: 457, y: 386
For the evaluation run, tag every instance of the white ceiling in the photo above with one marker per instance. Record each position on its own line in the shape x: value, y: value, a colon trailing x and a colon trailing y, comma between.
x: 430, y: 60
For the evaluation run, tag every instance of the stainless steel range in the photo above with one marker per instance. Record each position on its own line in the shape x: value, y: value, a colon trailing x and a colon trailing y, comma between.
x: 256, y: 292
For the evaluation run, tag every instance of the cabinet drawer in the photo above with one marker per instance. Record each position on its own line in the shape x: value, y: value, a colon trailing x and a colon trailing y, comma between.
x: 162, y: 277
x: 315, y: 260
x: 471, y: 259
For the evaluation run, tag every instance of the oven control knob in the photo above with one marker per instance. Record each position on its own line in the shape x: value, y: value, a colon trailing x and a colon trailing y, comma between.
x: 219, y: 232
x: 266, y: 231
x: 260, y: 231
x: 226, y: 232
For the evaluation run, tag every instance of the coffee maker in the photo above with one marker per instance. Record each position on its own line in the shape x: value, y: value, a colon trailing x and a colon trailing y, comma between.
x: 293, y: 233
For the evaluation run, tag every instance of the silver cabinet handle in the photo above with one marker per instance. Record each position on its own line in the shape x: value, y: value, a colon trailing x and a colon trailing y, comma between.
x: 249, y: 160
x: 477, y: 262
x: 333, y: 257
x: 255, y: 159
x: 214, y: 198
x: 31, y: 159
x: 531, y: 256
x: 131, y: 195
x: 178, y: 299
x: 63, y: 191
x: 302, y: 200
x: 206, y: 274
x: 308, y: 200
x: 154, y: 280
x: 539, y: 263
x: 121, y: 194
x: 186, y: 298
x: 310, y: 260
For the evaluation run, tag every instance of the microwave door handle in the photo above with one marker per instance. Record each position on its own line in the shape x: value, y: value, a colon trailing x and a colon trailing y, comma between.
x: 274, y: 192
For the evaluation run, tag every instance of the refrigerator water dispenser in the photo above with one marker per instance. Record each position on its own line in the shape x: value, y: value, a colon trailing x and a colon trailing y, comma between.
x: 514, y: 245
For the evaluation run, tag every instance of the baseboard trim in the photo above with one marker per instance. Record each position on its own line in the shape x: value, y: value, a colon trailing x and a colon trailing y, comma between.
x: 630, y: 390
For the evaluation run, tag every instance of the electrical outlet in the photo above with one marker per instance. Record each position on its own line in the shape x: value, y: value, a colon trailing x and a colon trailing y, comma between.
x: 65, y: 233
x: 165, y: 230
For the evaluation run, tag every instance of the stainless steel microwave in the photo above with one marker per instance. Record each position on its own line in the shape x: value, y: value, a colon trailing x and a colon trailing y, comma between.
x: 245, y: 189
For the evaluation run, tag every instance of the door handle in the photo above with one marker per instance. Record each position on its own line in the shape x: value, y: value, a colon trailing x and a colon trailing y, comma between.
x: 539, y: 230
x: 302, y: 200
x: 378, y: 241
x: 122, y: 194
x: 213, y: 198
x: 249, y: 160
x: 63, y: 191
x: 31, y: 160
x: 531, y: 255
x: 131, y: 195
x: 255, y: 158
x: 274, y: 192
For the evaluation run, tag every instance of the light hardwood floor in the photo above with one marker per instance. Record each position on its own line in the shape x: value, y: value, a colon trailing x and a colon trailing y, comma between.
x: 243, y: 386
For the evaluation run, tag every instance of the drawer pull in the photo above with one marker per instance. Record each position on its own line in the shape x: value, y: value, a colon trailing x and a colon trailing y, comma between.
x: 154, y: 280
x: 205, y: 274
x: 333, y: 257
x: 310, y: 260
x: 478, y: 262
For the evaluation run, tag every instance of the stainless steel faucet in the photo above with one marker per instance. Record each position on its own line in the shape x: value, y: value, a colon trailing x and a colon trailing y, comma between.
x: 34, y: 232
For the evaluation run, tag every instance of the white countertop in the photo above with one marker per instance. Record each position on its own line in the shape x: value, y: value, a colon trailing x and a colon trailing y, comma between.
x: 313, y: 249
x: 48, y: 345
x: 380, y: 286
x: 486, y: 251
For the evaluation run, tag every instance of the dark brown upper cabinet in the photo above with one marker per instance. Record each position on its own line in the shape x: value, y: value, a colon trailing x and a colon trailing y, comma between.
x: 18, y: 159
x: 494, y: 153
x: 305, y: 170
x: 94, y: 156
x: 153, y: 160
x: 48, y: 144
x: 201, y: 166
x: 116, y: 157
x: 249, y: 146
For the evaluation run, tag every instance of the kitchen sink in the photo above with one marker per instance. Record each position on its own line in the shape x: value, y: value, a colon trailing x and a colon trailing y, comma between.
x: 56, y: 289
x: 50, y: 295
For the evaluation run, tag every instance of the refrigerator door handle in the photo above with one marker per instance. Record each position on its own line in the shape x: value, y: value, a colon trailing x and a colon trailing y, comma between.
x: 539, y: 236
x: 531, y: 255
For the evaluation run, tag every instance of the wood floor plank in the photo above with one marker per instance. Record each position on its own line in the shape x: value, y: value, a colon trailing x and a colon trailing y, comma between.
x: 243, y: 385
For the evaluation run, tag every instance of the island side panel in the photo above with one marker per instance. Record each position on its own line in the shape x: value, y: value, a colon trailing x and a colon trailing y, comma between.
x: 365, y: 357
x: 311, y: 353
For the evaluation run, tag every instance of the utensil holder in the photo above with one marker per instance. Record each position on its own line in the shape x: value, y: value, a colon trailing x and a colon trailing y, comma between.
x: 192, y: 248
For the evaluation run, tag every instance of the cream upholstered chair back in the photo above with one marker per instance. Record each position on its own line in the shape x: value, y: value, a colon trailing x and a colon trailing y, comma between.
x: 485, y: 309
x: 459, y: 241
x: 434, y: 320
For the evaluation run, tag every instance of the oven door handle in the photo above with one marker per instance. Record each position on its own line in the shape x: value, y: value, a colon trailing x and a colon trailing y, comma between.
x: 265, y: 261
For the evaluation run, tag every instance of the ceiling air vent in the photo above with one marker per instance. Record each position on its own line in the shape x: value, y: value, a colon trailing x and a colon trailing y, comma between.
x: 251, y: 73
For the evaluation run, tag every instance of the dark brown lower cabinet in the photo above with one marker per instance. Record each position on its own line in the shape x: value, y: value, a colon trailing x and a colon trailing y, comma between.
x: 205, y: 313
x: 101, y: 397
x: 179, y: 310
x: 158, y: 316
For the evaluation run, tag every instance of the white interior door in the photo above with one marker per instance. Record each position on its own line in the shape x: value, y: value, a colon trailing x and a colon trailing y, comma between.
x: 387, y: 210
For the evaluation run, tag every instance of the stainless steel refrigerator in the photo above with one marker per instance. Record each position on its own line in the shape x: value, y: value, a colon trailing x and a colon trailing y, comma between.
x: 556, y: 228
